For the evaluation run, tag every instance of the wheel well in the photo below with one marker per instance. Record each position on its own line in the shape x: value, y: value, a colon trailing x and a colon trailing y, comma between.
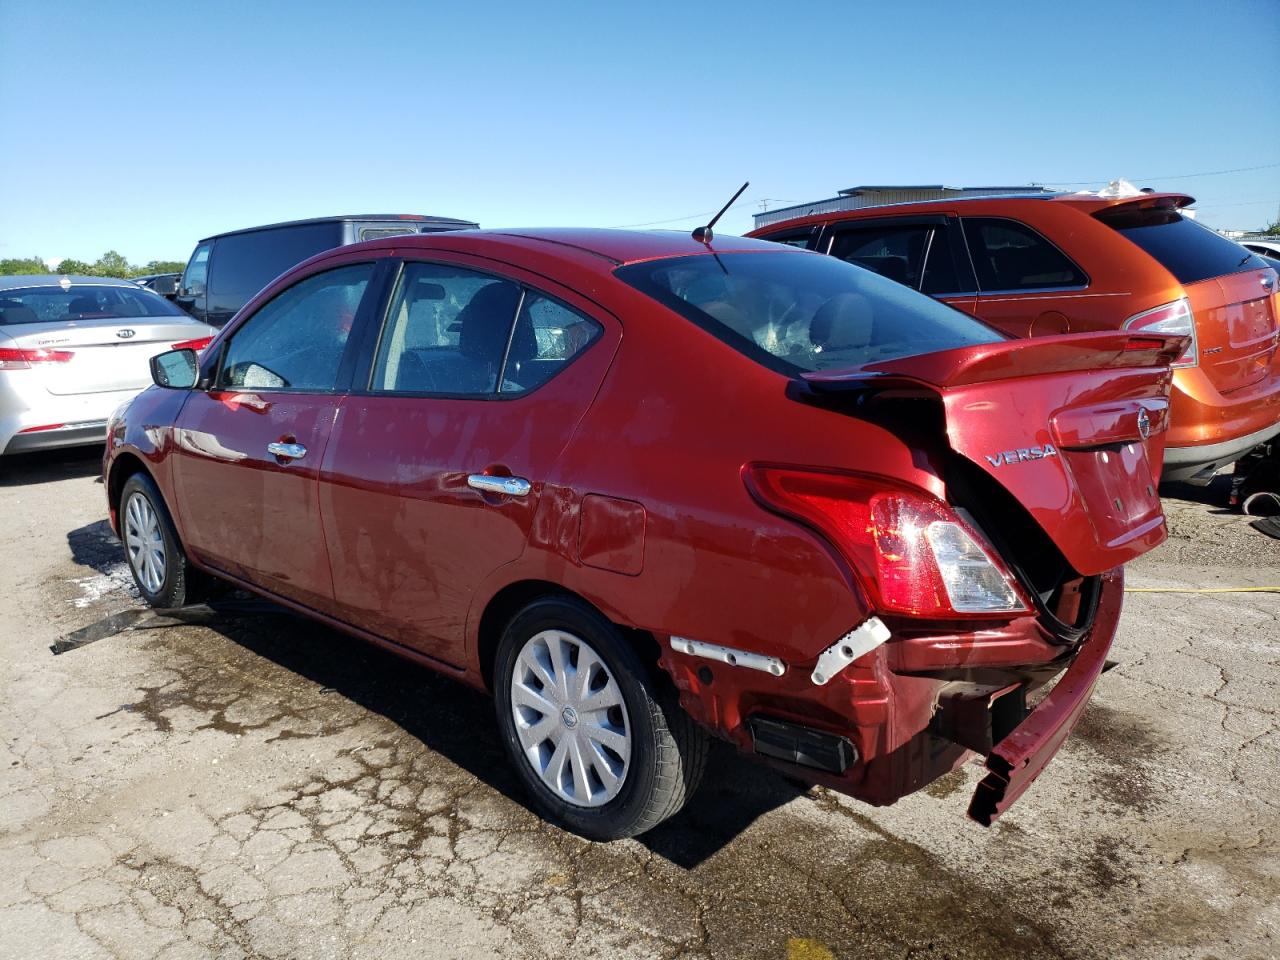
x: 125, y: 466
x: 514, y: 597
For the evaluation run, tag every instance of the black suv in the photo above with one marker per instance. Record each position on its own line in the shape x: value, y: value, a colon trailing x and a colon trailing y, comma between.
x: 226, y: 270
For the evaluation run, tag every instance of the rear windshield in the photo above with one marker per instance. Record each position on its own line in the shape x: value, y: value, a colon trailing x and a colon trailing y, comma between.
x: 799, y: 312
x: 81, y: 302
x: 1188, y: 250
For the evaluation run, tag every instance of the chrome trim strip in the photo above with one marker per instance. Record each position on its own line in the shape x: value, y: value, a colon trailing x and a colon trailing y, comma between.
x: 856, y: 643
x: 735, y: 658
x: 1028, y: 290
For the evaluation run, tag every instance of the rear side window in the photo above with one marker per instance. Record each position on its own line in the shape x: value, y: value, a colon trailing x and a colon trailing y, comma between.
x: 244, y: 263
x: 547, y: 336
x: 1186, y: 249
x: 1009, y: 255
x: 377, y: 233
x: 446, y: 332
x: 918, y: 255
x: 81, y: 302
x: 796, y: 312
x: 295, y: 341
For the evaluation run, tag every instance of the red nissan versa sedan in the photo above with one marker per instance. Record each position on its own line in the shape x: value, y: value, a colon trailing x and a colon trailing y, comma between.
x: 640, y: 486
x: 1033, y: 265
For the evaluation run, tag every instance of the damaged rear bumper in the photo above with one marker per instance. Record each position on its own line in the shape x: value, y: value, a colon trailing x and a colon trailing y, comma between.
x: 1016, y: 761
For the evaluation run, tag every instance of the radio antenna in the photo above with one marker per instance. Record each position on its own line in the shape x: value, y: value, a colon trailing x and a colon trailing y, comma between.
x: 704, y: 234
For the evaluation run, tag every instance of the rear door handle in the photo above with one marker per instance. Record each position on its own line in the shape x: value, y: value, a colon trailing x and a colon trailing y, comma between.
x: 287, y: 451
x: 510, y: 486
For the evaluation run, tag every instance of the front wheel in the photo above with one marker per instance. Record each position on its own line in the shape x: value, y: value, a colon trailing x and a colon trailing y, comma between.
x: 151, y: 546
x: 600, y: 747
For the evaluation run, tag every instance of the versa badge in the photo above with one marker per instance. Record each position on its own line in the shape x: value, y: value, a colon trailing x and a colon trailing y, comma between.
x: 1021, y: 454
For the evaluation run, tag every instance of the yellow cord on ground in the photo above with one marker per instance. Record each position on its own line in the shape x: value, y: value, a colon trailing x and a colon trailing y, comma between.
x: 1202, y: 589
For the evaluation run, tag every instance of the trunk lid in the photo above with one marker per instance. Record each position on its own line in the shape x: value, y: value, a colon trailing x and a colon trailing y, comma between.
x: 1235, y: 327
x: 107, y: 354
x: 1072, y: 426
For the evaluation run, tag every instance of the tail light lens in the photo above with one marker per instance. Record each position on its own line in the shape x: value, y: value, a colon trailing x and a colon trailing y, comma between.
x: 196, y: 345
x: 911, y: 551
x: 18, y: 359
x: 1173, y: 318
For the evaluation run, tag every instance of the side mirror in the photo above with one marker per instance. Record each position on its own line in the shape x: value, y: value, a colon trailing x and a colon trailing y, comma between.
x: 175, y: 370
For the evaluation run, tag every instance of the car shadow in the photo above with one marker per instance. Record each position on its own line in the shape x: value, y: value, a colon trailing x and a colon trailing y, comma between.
x: 1215, y: 494
x: 46, y: 466
x: 95, y: 545
x: 446, y: 716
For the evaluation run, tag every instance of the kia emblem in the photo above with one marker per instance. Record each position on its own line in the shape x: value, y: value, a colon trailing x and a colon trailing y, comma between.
x: 1144, y: 424
x: 125, y: 334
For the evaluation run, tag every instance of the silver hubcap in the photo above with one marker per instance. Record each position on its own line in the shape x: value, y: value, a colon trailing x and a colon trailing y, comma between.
x: 143, y: 542
x: 570, y: 718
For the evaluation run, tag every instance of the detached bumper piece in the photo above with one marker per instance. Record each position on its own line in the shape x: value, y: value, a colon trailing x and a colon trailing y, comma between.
x: 1017, y: 760
x: 801, y: 745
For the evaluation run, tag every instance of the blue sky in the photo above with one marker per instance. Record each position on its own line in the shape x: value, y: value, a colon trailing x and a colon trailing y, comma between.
x: 145, y: 126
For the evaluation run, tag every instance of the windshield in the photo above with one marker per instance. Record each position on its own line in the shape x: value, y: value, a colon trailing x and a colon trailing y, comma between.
x: 81, y: 301
x: 798, y: 312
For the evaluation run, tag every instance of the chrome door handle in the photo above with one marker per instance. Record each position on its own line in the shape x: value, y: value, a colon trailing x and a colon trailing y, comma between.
x: 511, y: 486
x: 289, y: 451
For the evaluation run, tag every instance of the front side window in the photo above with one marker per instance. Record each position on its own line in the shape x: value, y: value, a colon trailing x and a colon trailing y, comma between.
x: 295, y: 341
x: 1008, y: 255
x: 446, y: 332
x: 81, y: 302
x: 796, y: 312
x: 547, y: 336
x: 197, y: 273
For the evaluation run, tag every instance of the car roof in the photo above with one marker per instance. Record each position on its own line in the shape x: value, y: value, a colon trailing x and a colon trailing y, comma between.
x: 55, y: 279
x: 348, y: 218
x: 610, y: 247
x: 1088, y: 202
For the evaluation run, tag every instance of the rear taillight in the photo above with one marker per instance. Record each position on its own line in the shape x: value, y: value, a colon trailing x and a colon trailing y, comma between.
x: 18, y: 359
x: 196, y: 345
x: 1173, y: 318
x: 911, y: 551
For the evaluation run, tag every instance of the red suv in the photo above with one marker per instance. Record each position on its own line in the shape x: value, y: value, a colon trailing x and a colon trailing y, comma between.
x: 639, y: 486
x: 1049, y: 264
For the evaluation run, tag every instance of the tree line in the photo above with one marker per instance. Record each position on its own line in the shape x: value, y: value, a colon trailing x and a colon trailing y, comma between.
x: 110, y: 264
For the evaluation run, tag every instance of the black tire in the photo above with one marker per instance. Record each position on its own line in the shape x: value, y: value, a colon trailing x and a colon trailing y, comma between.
x: 668, y: 751
x: 176, y: 588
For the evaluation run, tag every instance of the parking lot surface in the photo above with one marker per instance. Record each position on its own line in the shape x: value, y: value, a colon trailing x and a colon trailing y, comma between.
x: 243, y: 783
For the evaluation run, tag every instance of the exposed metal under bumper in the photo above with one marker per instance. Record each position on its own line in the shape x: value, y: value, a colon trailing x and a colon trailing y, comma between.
x: 1199, y: 463
x: 71, y: 435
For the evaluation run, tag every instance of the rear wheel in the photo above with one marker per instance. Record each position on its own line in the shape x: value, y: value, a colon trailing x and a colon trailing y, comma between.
x: 600, y: 747
x: 151, y: 546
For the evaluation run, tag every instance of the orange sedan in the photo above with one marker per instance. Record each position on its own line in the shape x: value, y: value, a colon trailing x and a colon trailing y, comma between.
x: 1046, y: 264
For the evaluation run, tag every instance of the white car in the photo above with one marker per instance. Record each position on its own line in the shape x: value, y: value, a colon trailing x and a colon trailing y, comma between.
x: 1266, y: 246
x: 72, y: 349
